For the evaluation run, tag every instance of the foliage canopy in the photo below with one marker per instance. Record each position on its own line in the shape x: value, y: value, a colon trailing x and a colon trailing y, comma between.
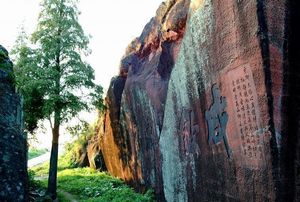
x: 55, y: 81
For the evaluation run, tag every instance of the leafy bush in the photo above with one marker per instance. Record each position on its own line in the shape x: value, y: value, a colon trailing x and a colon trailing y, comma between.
x: 75, y: 150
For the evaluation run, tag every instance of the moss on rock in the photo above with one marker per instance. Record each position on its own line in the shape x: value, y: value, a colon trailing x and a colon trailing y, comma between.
x: 6, y: 66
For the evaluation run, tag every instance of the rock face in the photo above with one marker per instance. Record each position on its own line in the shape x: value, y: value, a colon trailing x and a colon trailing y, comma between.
x: 95, y: 155
x: 80, y: 158
x: 136, y: 98
x: 205, y: 107
x: 13, y: 160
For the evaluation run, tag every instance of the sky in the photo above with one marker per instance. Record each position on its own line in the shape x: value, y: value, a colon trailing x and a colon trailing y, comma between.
x: 113, y: 24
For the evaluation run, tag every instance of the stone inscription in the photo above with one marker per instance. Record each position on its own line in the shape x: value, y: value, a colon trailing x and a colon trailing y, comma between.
x: 189, y: 130
x: 245, y: 106
x: 217, y: 118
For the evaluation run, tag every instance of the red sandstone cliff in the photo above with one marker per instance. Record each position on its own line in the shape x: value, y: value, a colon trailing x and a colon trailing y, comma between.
x: 136, y: 99
x: 200, y: 108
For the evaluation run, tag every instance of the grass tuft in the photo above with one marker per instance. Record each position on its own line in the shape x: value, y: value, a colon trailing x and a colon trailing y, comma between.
x: 88, y: 185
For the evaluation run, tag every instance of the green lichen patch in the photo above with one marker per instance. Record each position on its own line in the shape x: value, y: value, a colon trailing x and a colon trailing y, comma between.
x: 3, y: 53
x: 6, y: 65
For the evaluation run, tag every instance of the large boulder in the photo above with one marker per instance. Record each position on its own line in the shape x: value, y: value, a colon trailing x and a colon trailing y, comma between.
x: 206, y: 105
x: 13, y: 155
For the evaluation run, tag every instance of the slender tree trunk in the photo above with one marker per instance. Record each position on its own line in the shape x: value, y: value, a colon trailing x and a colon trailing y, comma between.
x: 52, y: 180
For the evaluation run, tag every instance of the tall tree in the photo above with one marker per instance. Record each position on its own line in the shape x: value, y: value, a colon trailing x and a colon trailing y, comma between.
x: 29, y: 81
x: 56, y: 74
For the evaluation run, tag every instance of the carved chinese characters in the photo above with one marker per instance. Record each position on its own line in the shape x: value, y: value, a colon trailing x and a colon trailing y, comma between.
x: 245, y: 106
x: 217, y: 118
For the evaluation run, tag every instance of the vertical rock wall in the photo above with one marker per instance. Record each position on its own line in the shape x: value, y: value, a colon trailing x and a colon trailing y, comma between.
x: 13, y: 160
x: 220, y: 142
x: 200, y: 111
x: 136, y: 98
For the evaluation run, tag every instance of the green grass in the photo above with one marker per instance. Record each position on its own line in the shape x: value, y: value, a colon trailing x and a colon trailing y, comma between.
x: 32, y: 153
x: 43, y: 169
x: 61, y: 197
x: 89, y: 185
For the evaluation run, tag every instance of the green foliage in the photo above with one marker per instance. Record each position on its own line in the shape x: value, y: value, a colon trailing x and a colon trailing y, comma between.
x: 43, y: 169
x: 33, y: 152
x: 6, y: 65
x: 82, y: 129
x: 31, y: 181
x: 92, y: 186
x: 36, y: 188
x: 61, y: 197
x: 82, y: 133
x: 3, y: 54
x: 29, y: 81
x: 53, y: 77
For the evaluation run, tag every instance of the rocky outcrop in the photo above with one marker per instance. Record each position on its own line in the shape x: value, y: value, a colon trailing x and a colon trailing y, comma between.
x: 80, y: 156
x: 86, y: 152
x: 13, y: 160
x: 94, y: 154
x: 136, y: 98
x: 201, y: 108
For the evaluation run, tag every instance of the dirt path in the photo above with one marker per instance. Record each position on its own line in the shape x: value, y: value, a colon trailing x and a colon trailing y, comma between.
x: 43, y: 158
x: 68, y: 196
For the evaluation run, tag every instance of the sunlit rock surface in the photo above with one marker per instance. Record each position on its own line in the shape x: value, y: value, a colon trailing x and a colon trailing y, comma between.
x: 80, y: 158
x: 95, y: 156
x: 206, y: 106
x: 13, y: 160
x: 136, y: 100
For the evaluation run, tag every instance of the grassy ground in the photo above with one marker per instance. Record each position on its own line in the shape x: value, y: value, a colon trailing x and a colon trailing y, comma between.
x: 32, y: 153
x: 88, y: 185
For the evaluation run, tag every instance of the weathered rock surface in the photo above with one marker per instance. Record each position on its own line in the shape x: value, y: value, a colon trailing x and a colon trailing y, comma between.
x: 80, y: 156
x: 94, y: 154
x: 13, y: 160
x: 206, y: 106
x: 130, y: 137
